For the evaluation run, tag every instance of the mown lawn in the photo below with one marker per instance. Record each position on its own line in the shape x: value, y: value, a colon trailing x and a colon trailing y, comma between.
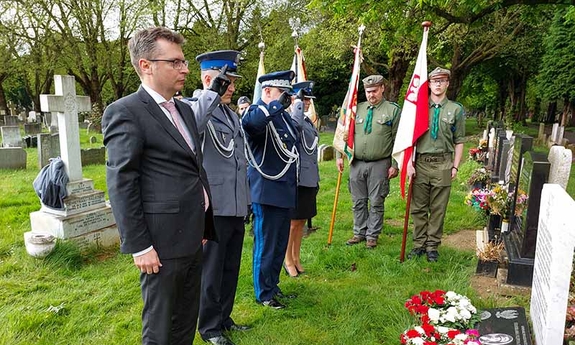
x: 349, y: 295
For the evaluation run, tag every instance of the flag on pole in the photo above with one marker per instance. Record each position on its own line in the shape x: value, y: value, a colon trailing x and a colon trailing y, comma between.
x: 414, y: 121
x: 298, y: 66
x: 261, y: 71
x: 344, y: 133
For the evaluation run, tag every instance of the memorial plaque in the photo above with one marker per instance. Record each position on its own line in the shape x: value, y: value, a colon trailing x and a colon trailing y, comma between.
x: 504, y: 326
x: 553, y: 265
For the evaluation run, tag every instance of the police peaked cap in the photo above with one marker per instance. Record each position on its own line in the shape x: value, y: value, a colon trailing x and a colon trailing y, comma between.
x: 216, y: 60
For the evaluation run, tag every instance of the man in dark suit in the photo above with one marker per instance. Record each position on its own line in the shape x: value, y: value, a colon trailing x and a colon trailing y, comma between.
x: 158, y: 189
x: 272, y: 174
x: 226, y: 165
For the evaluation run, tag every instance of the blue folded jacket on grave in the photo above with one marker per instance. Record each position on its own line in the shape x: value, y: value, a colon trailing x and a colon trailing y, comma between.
x: 50, y: 184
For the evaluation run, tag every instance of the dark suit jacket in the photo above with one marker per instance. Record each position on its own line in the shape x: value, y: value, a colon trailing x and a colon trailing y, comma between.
x: 154, y: 179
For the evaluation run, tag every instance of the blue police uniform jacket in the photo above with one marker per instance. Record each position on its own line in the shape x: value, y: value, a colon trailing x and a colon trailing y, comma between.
x: 269, y: 156
x: 309, y: 172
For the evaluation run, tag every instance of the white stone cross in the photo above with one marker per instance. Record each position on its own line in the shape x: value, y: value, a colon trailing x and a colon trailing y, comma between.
x: 66, y: 105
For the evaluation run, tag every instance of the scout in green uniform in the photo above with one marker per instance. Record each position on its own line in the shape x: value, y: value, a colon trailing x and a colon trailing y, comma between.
x: 376, y: 124
x: 439, y: 153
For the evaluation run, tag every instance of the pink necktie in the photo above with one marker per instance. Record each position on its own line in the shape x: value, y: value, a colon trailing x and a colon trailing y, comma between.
x: 171, y: 107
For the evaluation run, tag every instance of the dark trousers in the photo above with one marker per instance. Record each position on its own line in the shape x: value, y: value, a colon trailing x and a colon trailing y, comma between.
x: 271, y: 233
x: 221, y: 268
x: 171, y: 301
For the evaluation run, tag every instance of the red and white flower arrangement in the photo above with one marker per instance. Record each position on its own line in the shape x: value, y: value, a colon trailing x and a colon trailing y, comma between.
x: 446, y: 318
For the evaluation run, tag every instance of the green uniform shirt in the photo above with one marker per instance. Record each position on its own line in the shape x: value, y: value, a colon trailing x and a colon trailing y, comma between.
x: 451, y: 128
x: 379, y: 143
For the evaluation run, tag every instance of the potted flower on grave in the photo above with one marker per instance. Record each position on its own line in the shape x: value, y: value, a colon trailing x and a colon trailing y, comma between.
x: 477, y: 199
x: 499, y: 201
x: 489, y: 257
x: 479, y: 178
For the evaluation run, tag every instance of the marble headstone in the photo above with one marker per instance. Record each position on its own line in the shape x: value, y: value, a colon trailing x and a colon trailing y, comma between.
x: 553, y: 265
x: 560, y: 159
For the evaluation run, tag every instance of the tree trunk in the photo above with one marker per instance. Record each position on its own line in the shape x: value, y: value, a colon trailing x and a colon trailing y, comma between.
x: 397, y: 71
x: 3, y: 104
x: 551, y: 109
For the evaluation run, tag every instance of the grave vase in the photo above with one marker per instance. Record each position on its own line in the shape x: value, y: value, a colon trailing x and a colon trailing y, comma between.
x: 494, y: 228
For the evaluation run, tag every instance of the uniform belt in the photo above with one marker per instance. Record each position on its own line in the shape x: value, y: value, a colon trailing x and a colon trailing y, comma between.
x: 372, y: 160
x: 433, y: 157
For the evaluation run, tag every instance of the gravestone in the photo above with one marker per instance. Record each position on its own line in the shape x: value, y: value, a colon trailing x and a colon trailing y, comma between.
x: 53, y: 127
x: 11, y: 136
x: 325, y: 153
x: 12, y: 158
x: 490, y: 150
x: 30, y: 141
x: 32, y: 128
x: 32, y: 117
x: 520, y: 242
x: 48, y: 147
x: 541, y: 136
x: 507, y: 326
x: 506, y: 172
x: 502, y: 162
x: 521, y: 144
x: 500, y: 138
x: 553, y: 265
x: 561, y: 160
x: 10, y: 120
x: 93, y: 156
x: 86, y: 218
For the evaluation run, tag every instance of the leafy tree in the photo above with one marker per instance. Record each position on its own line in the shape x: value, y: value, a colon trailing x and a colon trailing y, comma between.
x: 557, y: 76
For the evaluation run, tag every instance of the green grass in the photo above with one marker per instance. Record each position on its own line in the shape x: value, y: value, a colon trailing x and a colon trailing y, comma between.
x: 97, y: 297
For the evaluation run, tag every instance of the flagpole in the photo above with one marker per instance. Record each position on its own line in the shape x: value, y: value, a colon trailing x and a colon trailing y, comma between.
x: 331, y: 224
x: 426, y: 25
x: 353, y: 81
x: 406, y: 221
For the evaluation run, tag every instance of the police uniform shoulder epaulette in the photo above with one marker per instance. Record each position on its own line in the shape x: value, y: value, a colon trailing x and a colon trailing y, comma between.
x: 393, y: 103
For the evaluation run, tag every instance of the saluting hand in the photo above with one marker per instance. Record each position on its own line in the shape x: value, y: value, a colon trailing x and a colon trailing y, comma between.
x: 285, y: 100
x: 221, y: 82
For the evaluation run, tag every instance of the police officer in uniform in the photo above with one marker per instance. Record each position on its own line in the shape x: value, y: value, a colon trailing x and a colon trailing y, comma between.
x: 243, y: 103
x: 438, y: 156
x: 226, y: 167
x: 308, y: 183
x: 376, y: 124
x: 272, y: 138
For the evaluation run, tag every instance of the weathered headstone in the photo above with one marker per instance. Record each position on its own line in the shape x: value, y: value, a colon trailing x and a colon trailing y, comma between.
x: 500, y: 138
x: 541, y: 135
x: 86, y: 219
x: 32, y: 128
x: 48, y: 147
x: 502, y: 162
x: 53, y: 123
x: 12, y: 158
x: 554, y: 132
x: 520, y: 242
x: 11, y: 136
x: 521, y: 144
x: 500, y: 326
x: 561, y: 160
x: 10, y: 120
x: 325, y: 153
x: 553, y: 265
x: 93, y: 156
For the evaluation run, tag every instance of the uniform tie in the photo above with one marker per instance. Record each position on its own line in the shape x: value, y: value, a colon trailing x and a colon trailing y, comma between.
x: 435, y: 122
x: 368, y: 120
x: 171, y: 107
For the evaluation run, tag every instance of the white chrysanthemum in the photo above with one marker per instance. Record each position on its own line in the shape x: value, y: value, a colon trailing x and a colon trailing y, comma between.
x: 416, y: 341
x: 419, y: 329
x: 442, y: 330
x: 461, y: 336
x: 465, y: 314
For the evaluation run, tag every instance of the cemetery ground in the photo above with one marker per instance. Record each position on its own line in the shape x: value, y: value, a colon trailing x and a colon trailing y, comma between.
x: 348, y: 295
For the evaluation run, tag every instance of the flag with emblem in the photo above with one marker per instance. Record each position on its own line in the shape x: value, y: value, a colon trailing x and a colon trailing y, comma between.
x: 414, y: 120
x: 261, y: 71
x: 298, y: 66
x: 344, y: 133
